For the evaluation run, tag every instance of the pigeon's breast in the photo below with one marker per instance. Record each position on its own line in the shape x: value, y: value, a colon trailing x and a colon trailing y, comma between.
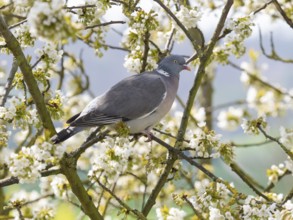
x: 148, y: 121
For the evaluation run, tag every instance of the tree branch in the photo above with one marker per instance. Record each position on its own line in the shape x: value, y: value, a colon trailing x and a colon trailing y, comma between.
x: 287, y: 151
x: 248, y: 180
x: 181, y: 155
x: 14, y: 180
x: 35, y: 92
x: 182, y: 27
x: 68, y: 168
x: 218, y: 30
x: 146, y: 51
x: 193, y: 91
x: 282, y: 12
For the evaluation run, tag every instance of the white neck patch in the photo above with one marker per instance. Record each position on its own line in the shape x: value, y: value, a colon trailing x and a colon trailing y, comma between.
x: 163, y: 72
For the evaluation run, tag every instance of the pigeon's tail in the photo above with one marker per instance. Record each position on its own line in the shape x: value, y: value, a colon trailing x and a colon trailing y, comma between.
x: 65, y: 134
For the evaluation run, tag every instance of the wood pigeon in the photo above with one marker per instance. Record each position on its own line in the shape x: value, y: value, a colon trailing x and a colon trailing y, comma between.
x: 140, y: 101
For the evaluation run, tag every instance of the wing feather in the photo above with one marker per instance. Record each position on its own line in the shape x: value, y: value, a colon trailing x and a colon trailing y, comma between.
x: 134, y: 97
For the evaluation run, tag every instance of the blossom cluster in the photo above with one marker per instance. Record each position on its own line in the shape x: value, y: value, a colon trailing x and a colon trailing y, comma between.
x: 165, y: 213
x: 4, y: 134
x: 113, y: 161
x: 252, y: 126
x: 141, y: 25
x: 133, y: 61
x: 43, y: 209
x: 255, y: 207
x: 286, y: 137
x: 206, y: 143
x: 234, y: 43
x: 29, y: 161
x: 231, y: 118
x: 23, y: 35
x: 48, y: 21
x: 212, y: 199
x: 91, y: 15
x: 189, y: 17
x: 49, y: 56
x: 266, y: 98
x: 277, y: 171
x: 17, y: 112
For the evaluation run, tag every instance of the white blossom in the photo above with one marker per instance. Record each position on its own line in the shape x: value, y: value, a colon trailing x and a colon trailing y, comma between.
x: 275, y: 172
x: 176, y: 214
x: 112, y: 160
x: 60, y: 186
x: 230, y: 119
x: 289, y: 164
x: 215, y: 214
x: 27, y: 163
x: 286, y: 136
x: 203, y: 141
x: 132, y: 64
x: 189, y: 17
x: 173, y: 214
x: 49, y: 22
x: 51, y: 54
x: 23, y: 166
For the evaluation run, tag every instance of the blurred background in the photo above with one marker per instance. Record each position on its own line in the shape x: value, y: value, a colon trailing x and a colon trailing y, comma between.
x: 107, y: 70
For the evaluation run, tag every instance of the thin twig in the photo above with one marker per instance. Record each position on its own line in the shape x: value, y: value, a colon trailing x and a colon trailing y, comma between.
x: 181, y: 155
x: 168, y: 134
x: 178, y: 22
x: 80, y: 7
x: 145, y: 51
x: 123, y: 204
x: 5, y: 6
x: 259, y: 79
x: 17, y: 24
x: 273, y: 55
x: 88, y: 143
x: 224, y: 105
x: 8, y: 84
x: 289, y: 196
x: 252, y: 144
x: 104, y: 24
x: 170, y: 40
x: 196, y: 212
x: 287, y: 151
x: 262, y: 7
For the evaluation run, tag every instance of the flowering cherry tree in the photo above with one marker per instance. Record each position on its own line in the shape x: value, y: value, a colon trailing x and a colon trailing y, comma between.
x: 102, y: 175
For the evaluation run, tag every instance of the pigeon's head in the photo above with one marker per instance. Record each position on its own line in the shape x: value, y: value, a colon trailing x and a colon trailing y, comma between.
x: 173, y: 64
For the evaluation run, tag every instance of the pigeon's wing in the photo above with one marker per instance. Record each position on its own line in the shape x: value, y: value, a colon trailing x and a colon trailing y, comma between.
x: 134, y: 97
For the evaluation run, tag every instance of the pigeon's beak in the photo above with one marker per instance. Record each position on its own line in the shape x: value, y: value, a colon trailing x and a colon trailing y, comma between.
x: 185, y: 67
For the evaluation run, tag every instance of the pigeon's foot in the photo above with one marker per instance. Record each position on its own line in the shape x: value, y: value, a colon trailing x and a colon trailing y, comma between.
x: 148, y: 134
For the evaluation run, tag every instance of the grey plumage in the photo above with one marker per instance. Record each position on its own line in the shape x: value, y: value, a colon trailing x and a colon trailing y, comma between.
x: 140, y: 101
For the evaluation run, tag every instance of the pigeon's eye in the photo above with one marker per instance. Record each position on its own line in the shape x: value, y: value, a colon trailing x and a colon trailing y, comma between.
x: 175, y: 61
